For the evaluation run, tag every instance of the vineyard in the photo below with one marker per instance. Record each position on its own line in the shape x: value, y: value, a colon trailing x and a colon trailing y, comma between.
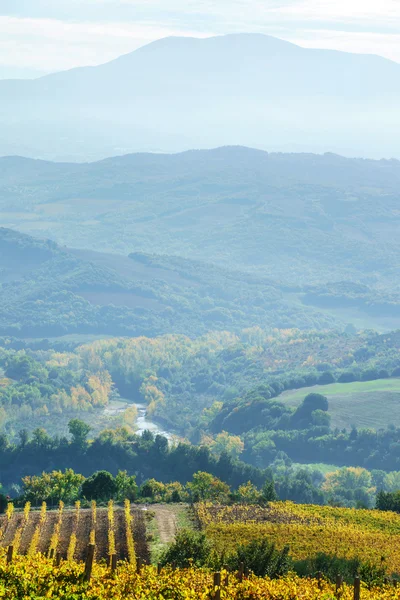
x: 38, y: 577
x: 102, y: 552
x: 372, y: 536
x: 67, y: 532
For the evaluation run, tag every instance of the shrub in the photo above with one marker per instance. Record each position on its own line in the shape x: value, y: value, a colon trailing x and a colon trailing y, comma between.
x: 330, y: 566
x: 189, y: 547
x: 262, y: 558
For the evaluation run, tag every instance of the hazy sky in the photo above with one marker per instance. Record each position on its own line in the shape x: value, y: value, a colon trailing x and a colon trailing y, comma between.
x: 39, y: 36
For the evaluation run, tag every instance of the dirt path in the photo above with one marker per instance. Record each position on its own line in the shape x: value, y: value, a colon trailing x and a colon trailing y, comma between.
x: 166, y: 522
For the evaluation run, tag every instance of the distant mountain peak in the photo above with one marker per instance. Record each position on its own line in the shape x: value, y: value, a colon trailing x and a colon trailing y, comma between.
x: 179, y: 93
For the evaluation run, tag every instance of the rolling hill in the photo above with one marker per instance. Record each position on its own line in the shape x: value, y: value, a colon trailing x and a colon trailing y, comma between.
x: 48, y: 291
x: 325, y: 226
x: 181, y: 93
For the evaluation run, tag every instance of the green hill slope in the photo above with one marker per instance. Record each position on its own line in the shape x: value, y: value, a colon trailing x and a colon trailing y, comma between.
x: 46, y: 290
x: 373, y: 404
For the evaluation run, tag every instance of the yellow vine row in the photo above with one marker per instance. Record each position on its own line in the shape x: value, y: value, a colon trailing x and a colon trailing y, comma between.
x: 18, y: 534
x: 36, y: 535
x: 73, y: 538
x: 57, y: 527
x: 44, y: 582
x: 10, y: 511
x: 129, y: 535
x: 9, y: 514
x: 92, y: 537
x: 111, y: 536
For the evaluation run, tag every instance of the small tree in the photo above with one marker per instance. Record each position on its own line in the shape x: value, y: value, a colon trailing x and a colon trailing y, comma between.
x: 388, y: 501
x: 248, y: 493
x: 315, y: 402
x: 326, y: 378
x: 231, y: 444
x: 321, y: 418
x: 152, y: 489
x: 268, y: 492
x: 100, y: 486
x: 127, y: 488
x: 205, y: 486
x: 79, y: 431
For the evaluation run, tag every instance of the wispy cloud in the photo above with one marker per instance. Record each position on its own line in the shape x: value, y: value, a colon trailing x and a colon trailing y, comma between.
x: 385, y: 13
x: 51, y: 44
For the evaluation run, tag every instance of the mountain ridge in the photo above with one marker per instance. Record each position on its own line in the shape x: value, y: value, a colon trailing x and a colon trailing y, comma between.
x: 180, y: 93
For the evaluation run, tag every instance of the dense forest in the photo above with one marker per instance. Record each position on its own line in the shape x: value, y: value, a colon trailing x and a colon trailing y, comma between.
x: 119, y: 464
x: 181, y: 378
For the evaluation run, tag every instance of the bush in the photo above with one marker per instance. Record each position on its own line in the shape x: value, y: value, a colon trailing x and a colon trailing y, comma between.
x: 262, y: 558
x: 189, y: 547
x: 331, y: 566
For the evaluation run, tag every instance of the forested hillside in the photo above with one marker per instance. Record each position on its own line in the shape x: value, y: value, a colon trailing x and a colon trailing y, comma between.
x: 322, y: 226
x: 47, y: 291
x: 187, y: 382
x: 258, y: 395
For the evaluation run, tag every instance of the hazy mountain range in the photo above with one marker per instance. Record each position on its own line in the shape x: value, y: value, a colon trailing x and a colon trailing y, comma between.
x: 181, y: 93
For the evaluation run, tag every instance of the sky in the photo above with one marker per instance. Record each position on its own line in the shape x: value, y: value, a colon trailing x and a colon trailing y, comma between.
x: 43, y: 36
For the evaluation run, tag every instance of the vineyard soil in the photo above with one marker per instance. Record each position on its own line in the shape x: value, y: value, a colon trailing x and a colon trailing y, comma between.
x: 9, y: 528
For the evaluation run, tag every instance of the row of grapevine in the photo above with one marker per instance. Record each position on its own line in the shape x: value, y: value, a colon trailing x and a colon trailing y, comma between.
x: 73, y: 538
x: 57, y: 527
x: 9, y: 514
x: 111, y: 535
x: 129, y: 534
x: 192, y: 583
x: 289, y: 512
x: 20, y: 530
x: 33, y: 546
x: 29, y: 533
x: 92, y: 536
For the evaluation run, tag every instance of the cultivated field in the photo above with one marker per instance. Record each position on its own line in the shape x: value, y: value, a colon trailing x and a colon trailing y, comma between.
x: 362, y: 403
x: 69, y: 531
x: 370, y: 535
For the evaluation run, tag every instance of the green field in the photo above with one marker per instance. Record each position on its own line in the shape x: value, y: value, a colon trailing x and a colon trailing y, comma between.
x: 362, y: 403
x: 323, y: 467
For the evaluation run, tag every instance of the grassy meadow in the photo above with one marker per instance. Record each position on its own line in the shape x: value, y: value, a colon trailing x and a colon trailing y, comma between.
x: 363, y: 403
